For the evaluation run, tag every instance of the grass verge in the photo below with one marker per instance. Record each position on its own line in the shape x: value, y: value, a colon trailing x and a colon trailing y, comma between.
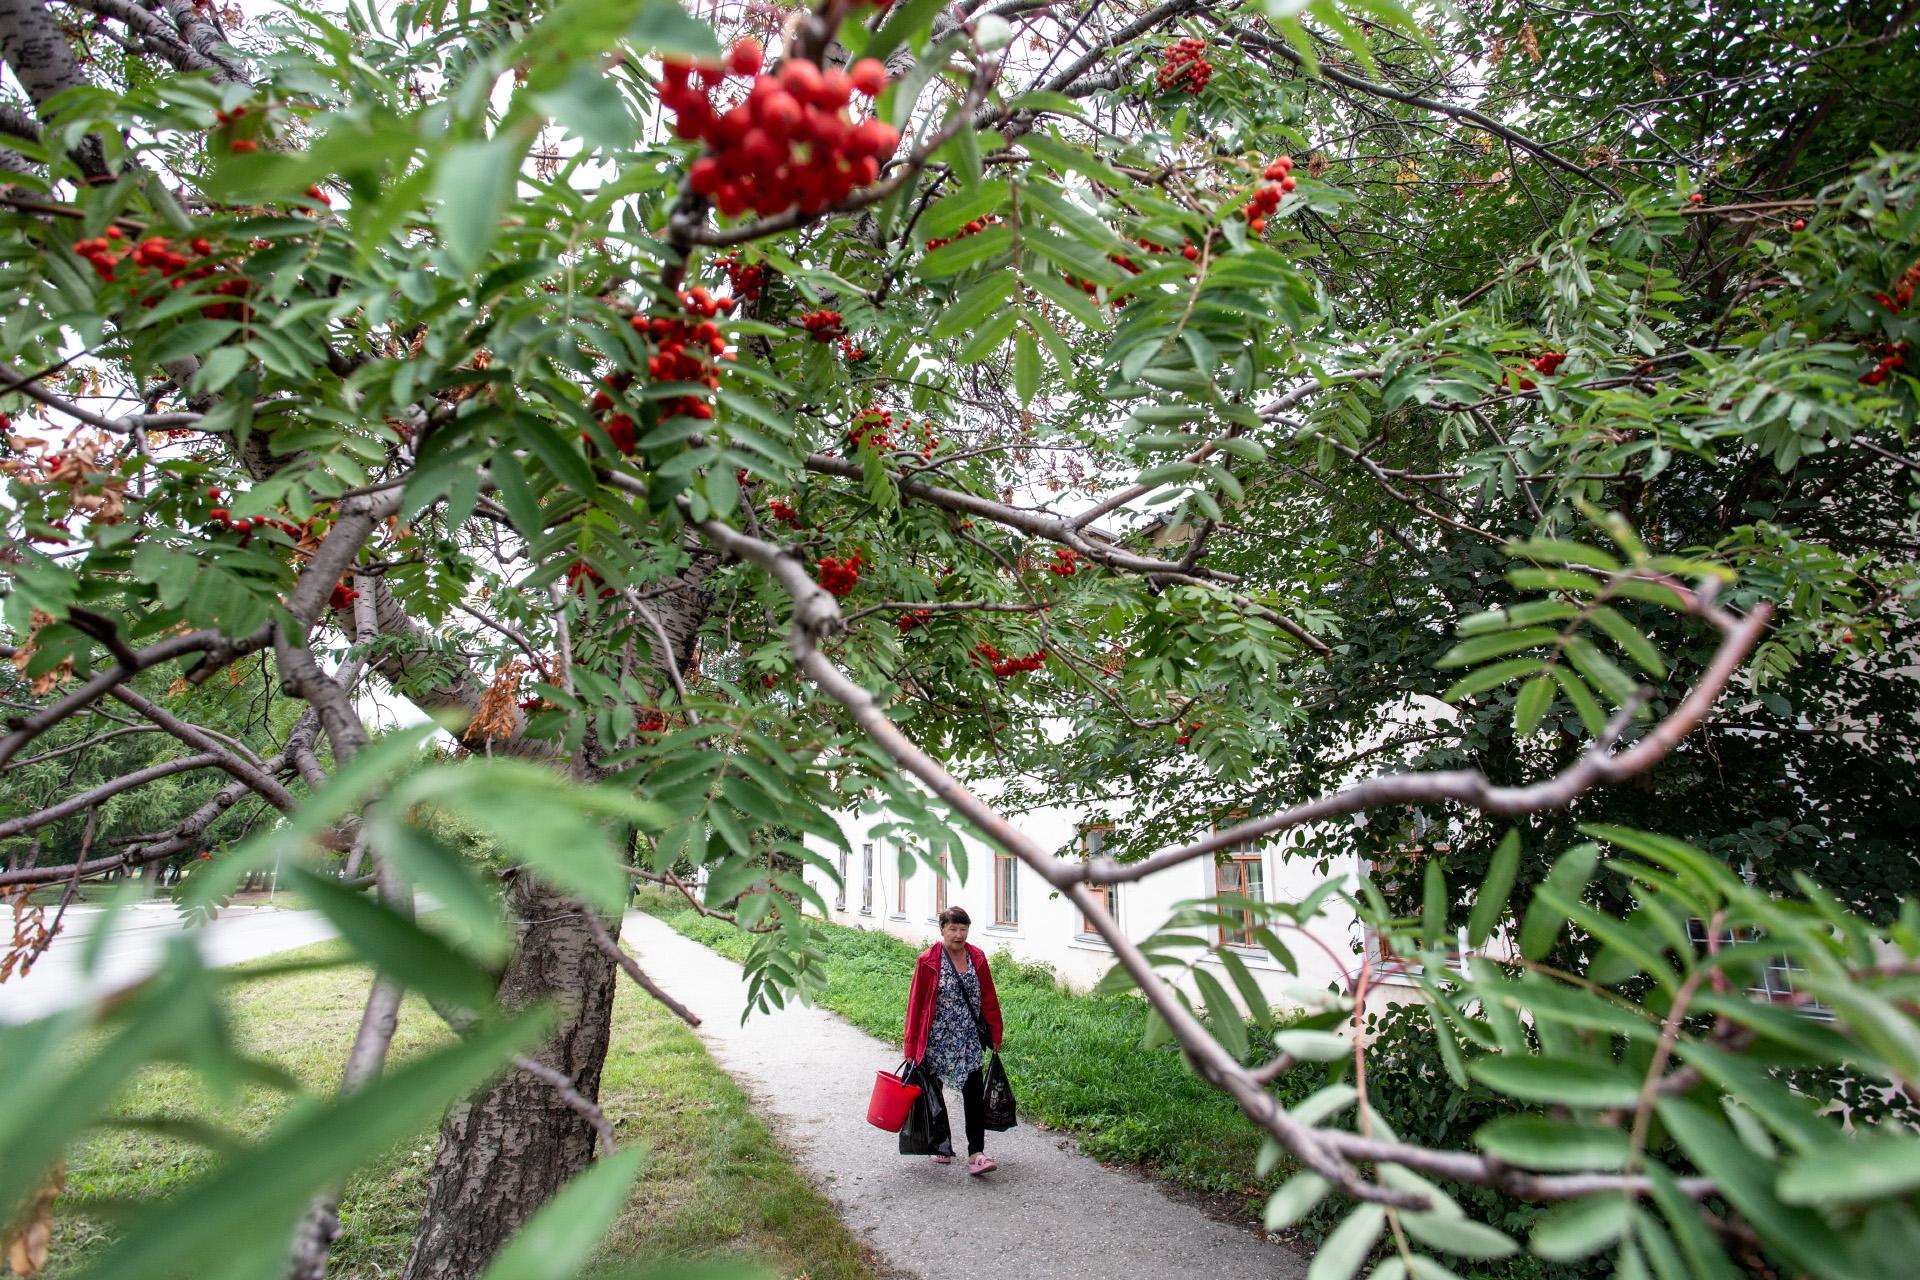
x: 715, y: 1184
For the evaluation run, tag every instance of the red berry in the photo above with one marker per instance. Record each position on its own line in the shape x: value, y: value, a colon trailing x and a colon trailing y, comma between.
x: 876, y: 138
x: 746, y: 57
x: 869, y: 76
x: 801, y: 78
x: 1696, y: 198
x: 836, y: 89
x: 706, y: 176
x: 1799, y: 224
x: 242, y: 145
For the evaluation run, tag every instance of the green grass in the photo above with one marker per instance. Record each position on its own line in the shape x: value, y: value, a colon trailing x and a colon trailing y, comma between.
x: 49, y: 895
x: 715, y: 1184
x: 1075, y: 1061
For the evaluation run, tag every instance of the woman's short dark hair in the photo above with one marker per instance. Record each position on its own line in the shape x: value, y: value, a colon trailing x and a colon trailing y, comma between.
x: 956, y: 915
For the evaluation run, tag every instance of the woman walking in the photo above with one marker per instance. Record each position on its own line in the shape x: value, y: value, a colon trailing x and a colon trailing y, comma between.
x: 952, y: 1014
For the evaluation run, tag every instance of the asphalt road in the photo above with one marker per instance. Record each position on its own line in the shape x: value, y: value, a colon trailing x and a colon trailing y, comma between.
x: 1047, y: 1213
x: 139, y: 939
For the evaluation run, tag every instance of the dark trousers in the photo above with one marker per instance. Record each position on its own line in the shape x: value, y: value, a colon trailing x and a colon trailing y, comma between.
x: 974, y: 1094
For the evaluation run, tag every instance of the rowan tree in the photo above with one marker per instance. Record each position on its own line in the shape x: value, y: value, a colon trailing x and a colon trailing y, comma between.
x: 720, y: 423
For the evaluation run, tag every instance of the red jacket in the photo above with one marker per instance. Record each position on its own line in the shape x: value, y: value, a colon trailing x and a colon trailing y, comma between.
x: 926, y: 990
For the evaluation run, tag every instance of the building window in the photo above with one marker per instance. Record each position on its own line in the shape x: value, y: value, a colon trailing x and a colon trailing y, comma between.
x: 1093, y: 844
x: 903, y: 870
x: 1006, y: 890
x: 866, y: 879
x: 1243, y: 872
x: 840, y: 896
x: 1774, y: 983
x: 940, y: 888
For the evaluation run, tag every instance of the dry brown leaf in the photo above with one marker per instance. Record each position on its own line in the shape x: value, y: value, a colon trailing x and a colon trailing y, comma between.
x: 28, y: 1242
x: 1530, y: 42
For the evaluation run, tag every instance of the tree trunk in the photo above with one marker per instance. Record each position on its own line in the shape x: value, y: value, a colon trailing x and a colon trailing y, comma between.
x: 507, y: 1150
x: 504, y: 1152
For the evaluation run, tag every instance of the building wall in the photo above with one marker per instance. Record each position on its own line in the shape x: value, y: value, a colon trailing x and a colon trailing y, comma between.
x: 1048, y: 928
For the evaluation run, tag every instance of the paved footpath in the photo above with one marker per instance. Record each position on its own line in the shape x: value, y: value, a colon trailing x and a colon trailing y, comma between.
x: 1046, y: 1213
x: 137, y: 944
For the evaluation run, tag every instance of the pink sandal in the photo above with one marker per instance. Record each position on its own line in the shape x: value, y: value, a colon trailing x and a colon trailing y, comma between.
x: 981, y: 1163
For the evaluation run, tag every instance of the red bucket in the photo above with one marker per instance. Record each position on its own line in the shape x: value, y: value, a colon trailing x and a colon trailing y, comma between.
x: 892, y: 1099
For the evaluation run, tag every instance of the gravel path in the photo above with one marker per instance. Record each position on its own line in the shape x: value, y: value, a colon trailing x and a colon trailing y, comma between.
x: 1047, y: 1212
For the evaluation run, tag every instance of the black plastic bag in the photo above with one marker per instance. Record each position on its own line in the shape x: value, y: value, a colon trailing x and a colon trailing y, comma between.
x: 923, y: 1134
x: 999, y: 1095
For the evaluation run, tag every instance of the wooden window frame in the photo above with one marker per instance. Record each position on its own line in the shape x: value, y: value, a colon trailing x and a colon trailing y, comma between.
x: 1006, y: 890
x: 940, y: 889
x: 1109, y: 893
x: 1239, y: 856
x: 866, y: 879
x: 1240, y: 859
x: 900, y: 889
x: 840, y: 890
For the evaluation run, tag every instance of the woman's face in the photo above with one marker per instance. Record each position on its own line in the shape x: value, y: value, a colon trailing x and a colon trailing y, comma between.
x: 953, y: 934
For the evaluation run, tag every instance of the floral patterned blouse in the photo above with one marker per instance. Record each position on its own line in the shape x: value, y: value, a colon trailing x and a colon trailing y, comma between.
x: 953, y: 1044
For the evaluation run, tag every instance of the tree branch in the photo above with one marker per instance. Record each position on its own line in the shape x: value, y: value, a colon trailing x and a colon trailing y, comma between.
x: 611, y: 945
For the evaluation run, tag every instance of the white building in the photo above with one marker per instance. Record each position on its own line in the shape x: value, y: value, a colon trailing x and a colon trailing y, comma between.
x: 1014, y: 910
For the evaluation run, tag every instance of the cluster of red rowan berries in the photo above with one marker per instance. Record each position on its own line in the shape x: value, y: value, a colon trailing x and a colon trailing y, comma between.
x: 916, y: 618
x: 619, y: 427
x: 1189, y: 729
x: 928, y: 441
x: 1088, y: 287
x: 580, y: 571
x: 342, y: 596
x: 746, y: 279
x: 839, y: 575
x: 789, y: 141
x: 1003, y: 666
x: 1186, y: 66
x: 652, y: 722
x: 1902, y: 294
x: 1065, y: 563
x: 1546, y: 364
x: 1892, y: 357
x: 1128, y: 265
x: 685, y: 349
x: 824, y: 325
x: 1280, y: 180
x: 784, y: 513
x: 851, y: 352
x: 221, y: 518
x: 105, y: 252
x: 973, y: 228
x: 873, y: 426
